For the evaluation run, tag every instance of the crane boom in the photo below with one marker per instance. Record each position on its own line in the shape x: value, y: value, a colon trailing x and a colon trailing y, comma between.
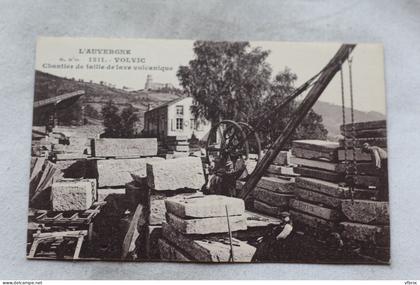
x: 319, y: 86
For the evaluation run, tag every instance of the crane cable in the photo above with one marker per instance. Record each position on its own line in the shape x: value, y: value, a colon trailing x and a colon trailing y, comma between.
x: 353, y: 130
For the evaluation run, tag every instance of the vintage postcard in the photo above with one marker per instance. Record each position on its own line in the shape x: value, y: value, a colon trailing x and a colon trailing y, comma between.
x: 205, y: 151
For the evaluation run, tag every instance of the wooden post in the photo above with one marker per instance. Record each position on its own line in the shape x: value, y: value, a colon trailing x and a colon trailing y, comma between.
x: 324, y: 79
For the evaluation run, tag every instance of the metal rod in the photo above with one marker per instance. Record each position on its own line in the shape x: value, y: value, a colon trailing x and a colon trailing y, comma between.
x: 230, y: 235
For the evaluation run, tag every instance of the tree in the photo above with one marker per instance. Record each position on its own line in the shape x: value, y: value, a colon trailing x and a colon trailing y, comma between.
x: 91, y: 112
x: 112, y: 120
x: 128, y: 122
x: 227, y: 80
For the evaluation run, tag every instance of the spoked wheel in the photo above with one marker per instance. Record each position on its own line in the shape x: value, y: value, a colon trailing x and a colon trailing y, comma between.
x: 231, y: 140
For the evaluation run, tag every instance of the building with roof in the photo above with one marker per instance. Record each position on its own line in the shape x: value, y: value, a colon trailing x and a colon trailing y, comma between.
x: 174, y: 118
x: 151, y: 85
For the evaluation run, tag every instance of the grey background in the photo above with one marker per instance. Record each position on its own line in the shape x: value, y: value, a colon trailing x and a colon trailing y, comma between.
x: 394, y: 23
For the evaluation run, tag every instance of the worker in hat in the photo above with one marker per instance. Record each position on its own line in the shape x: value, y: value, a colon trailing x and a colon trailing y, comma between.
x: 286, y: 225
x: 380, y: 158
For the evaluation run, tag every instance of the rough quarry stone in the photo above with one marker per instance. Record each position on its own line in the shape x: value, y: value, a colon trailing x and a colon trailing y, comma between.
x: 73, y: 194
x: 125, y: 147
x: 168, y: 252
x: 318, y: 198
x: 315, y: 210
x: 378, y: 235
x: 321, y: 186
x: 118, y: 172
x: 366, y: 212
x: 208, y: 249
x: 272, y: 198
x: 206, y: 225
x: 324, y: 165
x: 204, y: 206
x: 175, y: 174
x: 276, y: 184
x: 320, y: 174
x: 282, y: 158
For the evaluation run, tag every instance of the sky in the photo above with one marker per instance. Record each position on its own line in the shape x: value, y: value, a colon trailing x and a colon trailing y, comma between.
x: 304, y: 59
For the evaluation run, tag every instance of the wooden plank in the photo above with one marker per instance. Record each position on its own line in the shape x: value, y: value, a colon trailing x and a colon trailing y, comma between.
x: 208, y: 249
x: 169, y: 252
x: 372, y: 234
x: 366, y: 212
x: 315, y: 210
x: 320, y: 174
x: 318, y: 198
x: 277, y: 185
x: 132, y: 233
x: 324, y: 165
x: 272, y: 198
x: 125, y: 147
x: 199, y: 206
x: 206, y: 225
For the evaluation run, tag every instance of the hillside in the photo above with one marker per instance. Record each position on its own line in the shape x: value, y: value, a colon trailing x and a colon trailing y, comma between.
x: 48, y: 85
x: 332, y: 117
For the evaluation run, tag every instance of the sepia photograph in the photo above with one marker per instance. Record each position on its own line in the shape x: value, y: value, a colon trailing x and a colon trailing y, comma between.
x: 209, y: 152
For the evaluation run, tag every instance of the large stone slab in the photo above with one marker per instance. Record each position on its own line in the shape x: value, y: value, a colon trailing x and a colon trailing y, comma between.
x: 378, y: 235
x: 118, y: 172
x: 282, y: 170
x: 324, y: 165
x: 366, y: 212
x: 204, y: 206
x: 73, y: 194
x: 311, y: 221
x: 168, y: 252
x: 272, y: 198
x: 265, y: 208
x: 381, y: 142
x: 282, y: 158
x: 314, y: 154
x: 125, y: 147
x: 175, y: 174
x: 380, y: 124
x: 372, y: 133
x: 320, y: 174
x: 321, y: 186
x: 276, y: 184
x: 315, y: 210
x: 316, y: 145
x: 103, y: 193
x: 318, y: 198
x: 208, y: 249
x: 206, y: 225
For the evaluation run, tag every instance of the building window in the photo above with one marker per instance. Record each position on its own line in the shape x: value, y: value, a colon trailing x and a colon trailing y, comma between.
x: 179, y: 123
x: 180, y: 110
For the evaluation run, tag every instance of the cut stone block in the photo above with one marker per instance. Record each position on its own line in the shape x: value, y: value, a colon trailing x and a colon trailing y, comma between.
x: 381, y: 142
x: 73, y: 194
x: 321, y: 186
x: 182, y: 148
x: 315, y: 210
x: 118, y: 172
x: 282, y: 158
x: 316, y: 145
x: 314, y: 154
x: 360, y: 156
x: 324, y: 165
x: 272, y: 198
x: 268, y: 209
x: 320, y: 174
x: 366, y: 212
x: 210, y: 249
x: 204, y: 206
x: 125, y: 147
x: 311, y: 221
x: 276, y: 184
x: 282, y: 170
x: 175, y: 174
x: 206, y: 225
x: 318, y: 198
x: 379, y: 235
x: 372, y: 133
x: 103, y: 193
x: 380, y: 124
x: 169, y: 252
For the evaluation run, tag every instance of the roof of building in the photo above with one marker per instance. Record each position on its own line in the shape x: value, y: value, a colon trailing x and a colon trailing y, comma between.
x: 168, y: 103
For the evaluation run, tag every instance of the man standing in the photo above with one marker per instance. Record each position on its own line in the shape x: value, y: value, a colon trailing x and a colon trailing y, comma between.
x: 380, y: 158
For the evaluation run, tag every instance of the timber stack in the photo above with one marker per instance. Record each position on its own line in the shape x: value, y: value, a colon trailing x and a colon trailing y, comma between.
x: 199, y: 228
